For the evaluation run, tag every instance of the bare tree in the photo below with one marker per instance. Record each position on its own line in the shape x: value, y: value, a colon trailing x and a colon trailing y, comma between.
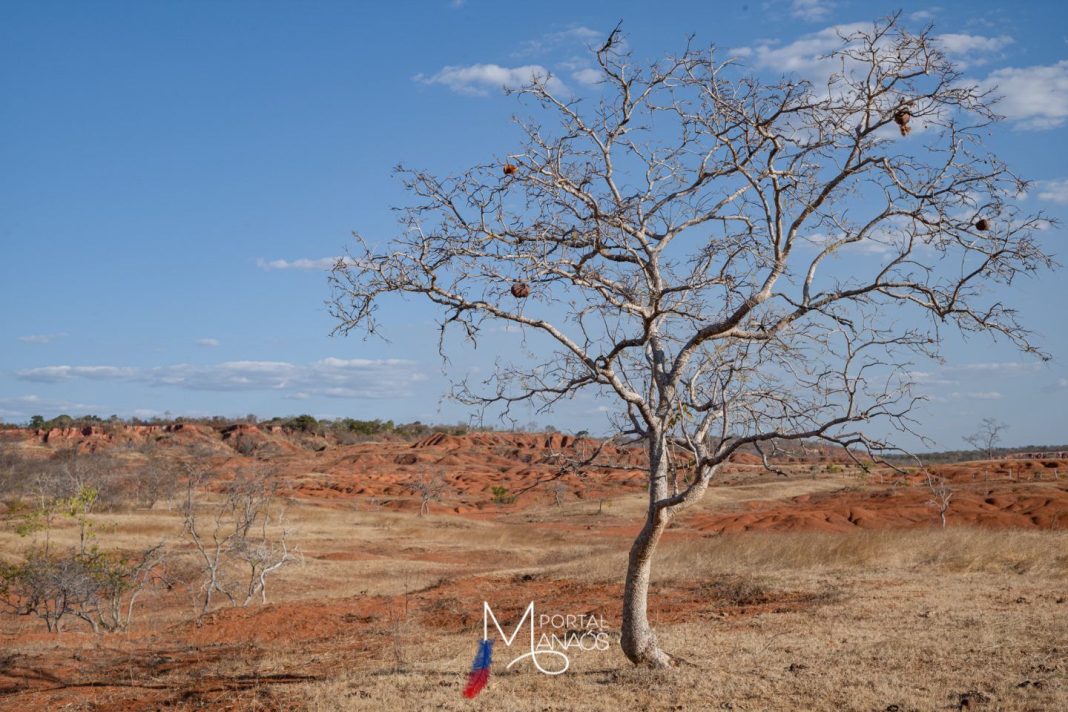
x: 673, y: 245
x: 987, y: 437
x: 941, y: 494
x: 429, y: 488
x: 241, y: 541
x: 559, y: 491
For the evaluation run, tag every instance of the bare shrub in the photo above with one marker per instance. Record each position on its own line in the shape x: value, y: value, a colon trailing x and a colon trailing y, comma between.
x: 240, y: 541
x: 429, y: 487
x: 735, y: 590
x: 558, y: 490
x: 99, y: 587
x: 941, y: 495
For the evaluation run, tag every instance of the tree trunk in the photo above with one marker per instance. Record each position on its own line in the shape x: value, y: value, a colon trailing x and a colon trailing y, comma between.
x: 637, y: 637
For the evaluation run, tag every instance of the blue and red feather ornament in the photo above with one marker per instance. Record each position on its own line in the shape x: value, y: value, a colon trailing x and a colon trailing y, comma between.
x: 480, y: 669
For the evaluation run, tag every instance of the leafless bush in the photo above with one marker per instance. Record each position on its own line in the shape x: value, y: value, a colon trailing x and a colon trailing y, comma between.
x: 240, y: 541
x: 941, y: 495
x: 429, y: 487
x: 559, y: 491
x: 100, y: 589
x: 98, y: 586
x: 736, y: 590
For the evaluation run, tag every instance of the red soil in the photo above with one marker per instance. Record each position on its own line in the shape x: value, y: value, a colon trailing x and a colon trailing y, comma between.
x: 1002, y: 493
x: 229, y: 659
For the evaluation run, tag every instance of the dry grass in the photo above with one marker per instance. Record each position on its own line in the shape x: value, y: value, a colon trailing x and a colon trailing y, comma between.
x: 910, y: 643
x: 871, y: 620
x: 936, y: 551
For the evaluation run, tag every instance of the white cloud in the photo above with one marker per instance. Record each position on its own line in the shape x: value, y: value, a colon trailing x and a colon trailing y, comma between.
x: 811, y: 10
x: 805, y: 56
x: 1002, y: 368
x: 1035, y: 98
x: 1055, y: 191
x: 971, y: 50
x: 40, y: 338
x: 977, y: 395
x: 320, y: 263
x: 23, y: 407
x: 963, y: 43
x: 583, y: 36
x: 57, y: 374
x: 588, y: 77
x: 330, y: 377
x: 209, y: 343
x: 975, y: 374
x: 923, y: 15
x: 928, y: 378
x: 481, y: 79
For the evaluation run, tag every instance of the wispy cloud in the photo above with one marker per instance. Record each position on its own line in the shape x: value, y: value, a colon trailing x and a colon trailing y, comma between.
x: 923, y: 15
x: 968, y: 50
x: 588, y: 76
x: 40, y: 338
x: 58, y: 374
x: 1003, y: 368
x: 977, y: 395
x: 976, y: 374
x: 1055, y: 191
x: 806, y: 56
x: 482, y: 79
x: 330, y: 377
x: 811, y: 10
x: 303, y: 263
x: 551, y: 41
x: 23, y: 407
x: 1034, y: 98
x: 208, y: 343
x: 929, y: 378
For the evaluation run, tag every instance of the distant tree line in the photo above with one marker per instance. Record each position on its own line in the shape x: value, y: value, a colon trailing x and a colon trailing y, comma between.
x: 303, y: 423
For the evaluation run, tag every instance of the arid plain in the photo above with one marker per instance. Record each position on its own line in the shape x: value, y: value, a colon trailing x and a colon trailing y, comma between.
x: 826, y: 586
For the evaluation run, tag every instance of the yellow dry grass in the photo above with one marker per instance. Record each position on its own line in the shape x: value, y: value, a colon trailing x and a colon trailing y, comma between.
x: 894, y: 620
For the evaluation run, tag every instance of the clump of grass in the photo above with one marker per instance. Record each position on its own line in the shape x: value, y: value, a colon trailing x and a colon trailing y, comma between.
x: 735, y: 590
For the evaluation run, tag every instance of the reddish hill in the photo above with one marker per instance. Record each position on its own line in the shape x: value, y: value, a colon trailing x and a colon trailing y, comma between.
x: 484, y: 471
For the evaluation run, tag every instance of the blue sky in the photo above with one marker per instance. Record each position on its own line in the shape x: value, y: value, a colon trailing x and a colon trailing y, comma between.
x: 175, y: 175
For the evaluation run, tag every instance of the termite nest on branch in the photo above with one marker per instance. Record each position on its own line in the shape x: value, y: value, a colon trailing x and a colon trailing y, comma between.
x: 902, y: 118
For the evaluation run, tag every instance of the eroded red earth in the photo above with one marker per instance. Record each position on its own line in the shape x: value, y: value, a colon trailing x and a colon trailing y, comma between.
x: 231, y: 658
